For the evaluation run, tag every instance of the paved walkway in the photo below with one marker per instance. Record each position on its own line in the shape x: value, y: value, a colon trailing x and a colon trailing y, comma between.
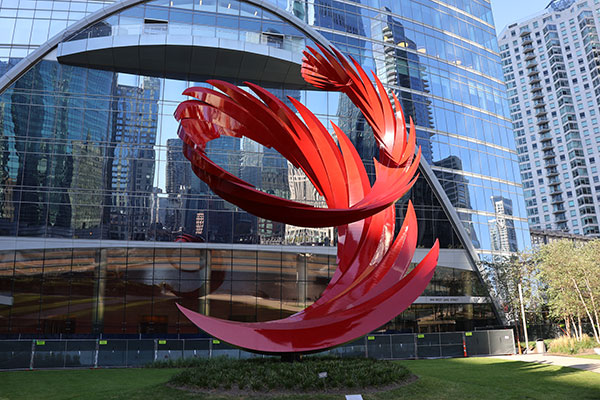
x: 587, y: 364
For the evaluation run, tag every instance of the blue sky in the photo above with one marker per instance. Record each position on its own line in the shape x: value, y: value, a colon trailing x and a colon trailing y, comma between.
x: 508, y: 11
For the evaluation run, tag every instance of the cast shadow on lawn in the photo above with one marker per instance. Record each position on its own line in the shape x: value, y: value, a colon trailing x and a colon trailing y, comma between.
x: 498, y: 379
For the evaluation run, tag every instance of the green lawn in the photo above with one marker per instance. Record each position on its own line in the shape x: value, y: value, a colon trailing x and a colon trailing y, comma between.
x: 594, y: 356
x: 485, y: 378
x: 471, y: 378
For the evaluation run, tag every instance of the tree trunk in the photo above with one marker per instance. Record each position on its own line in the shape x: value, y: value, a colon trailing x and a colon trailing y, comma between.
x: 597, y: 325
x: 568, y: 326
x: 587, y: 311
x: 580, y: 330
x: 577, y: 337
x: 595, y: 309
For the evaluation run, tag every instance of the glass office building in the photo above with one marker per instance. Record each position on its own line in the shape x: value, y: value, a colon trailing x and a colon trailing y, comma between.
x: 94, y: 189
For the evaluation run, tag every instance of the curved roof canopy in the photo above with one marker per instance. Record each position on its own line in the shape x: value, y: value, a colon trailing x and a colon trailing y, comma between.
x: 192, y: 58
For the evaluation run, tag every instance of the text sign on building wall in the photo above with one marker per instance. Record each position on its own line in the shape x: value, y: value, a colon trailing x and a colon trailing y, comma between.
x: 451, y: 299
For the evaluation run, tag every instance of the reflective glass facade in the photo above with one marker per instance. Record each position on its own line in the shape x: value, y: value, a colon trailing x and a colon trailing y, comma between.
x: 94, y: 189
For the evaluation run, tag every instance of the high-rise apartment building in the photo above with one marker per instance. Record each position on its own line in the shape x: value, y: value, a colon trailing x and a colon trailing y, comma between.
x: 94, y: 190
x: 551, y: 63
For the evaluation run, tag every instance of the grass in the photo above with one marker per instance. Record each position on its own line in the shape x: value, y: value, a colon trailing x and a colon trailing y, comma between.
x: 486, y: 378
x: 85, y: 384
x: 470, y: 378
x: 592, y: 356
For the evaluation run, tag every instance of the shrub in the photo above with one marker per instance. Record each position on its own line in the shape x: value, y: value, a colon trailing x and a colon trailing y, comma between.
x: 261, y: 374
x: 570, y: 345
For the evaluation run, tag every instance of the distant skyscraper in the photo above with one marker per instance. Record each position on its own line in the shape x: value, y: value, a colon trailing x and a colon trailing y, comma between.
x: 502, y: 228
x: 133, y: 158
x: 64, y: 151
x: 87, y: 211
x: 550, y: 64
x: 178, y: 186
x: 457, y: 188
x: 179, y: 174
x: 302, y: 190
x: 402, y: 68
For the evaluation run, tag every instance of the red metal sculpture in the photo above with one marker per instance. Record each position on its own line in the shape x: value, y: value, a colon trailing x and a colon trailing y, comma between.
x: 370, y: 285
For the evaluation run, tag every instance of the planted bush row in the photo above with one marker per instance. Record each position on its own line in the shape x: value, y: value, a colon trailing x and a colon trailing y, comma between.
x: 264, y: 374
x: 570, y: 345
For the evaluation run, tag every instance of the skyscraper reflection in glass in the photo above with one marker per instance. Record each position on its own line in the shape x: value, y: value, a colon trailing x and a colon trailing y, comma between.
x: 95, y: 191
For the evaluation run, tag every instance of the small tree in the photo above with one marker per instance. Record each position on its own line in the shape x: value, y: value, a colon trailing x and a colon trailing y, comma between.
x: 503, y: 276
x: 590, y: 277
x: 571, y: 272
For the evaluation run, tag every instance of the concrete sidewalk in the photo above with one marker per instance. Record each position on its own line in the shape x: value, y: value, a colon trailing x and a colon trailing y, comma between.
x: 587, y: 364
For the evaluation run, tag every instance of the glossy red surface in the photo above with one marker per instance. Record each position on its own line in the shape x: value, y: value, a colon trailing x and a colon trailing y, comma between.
x: 370, y: 285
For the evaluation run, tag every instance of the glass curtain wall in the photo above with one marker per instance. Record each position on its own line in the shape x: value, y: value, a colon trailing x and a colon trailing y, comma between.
x: 95, y: 189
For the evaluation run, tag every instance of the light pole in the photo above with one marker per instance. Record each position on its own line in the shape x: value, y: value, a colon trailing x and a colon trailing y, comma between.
x: 523, y: 316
